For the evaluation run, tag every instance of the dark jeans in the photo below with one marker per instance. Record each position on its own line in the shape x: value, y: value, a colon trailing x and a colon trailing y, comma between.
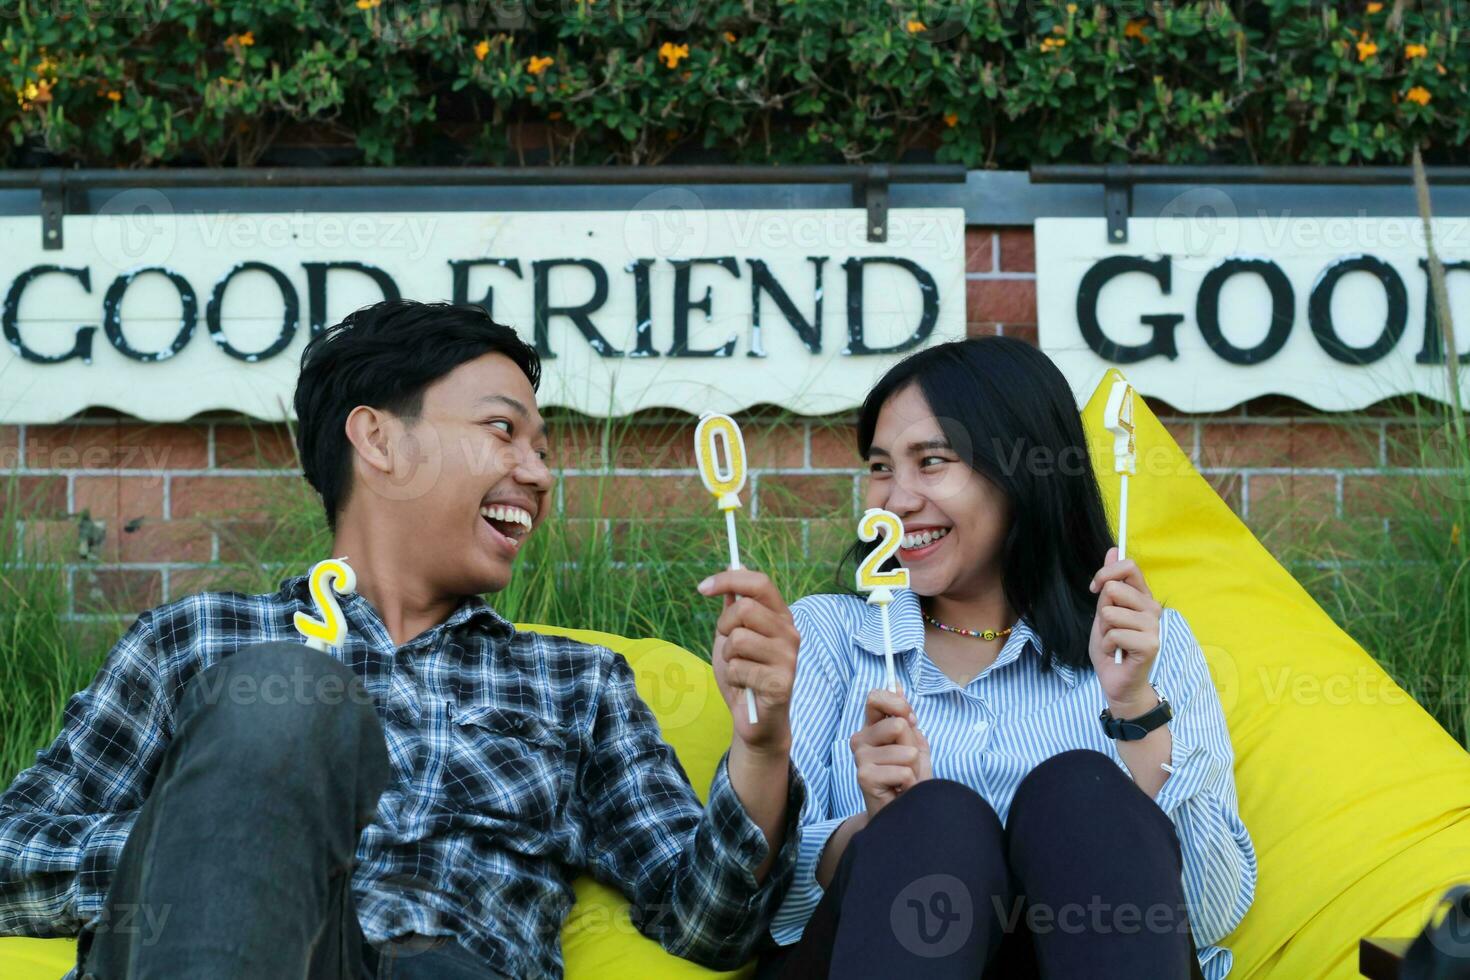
x: 240, y: 863
x: 1083, y: 881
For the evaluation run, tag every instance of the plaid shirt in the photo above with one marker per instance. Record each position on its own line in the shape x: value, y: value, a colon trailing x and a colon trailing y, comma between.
x: 519, y: 760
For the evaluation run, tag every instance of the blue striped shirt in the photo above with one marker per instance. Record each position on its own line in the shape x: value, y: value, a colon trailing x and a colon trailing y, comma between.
x: 991, y: 732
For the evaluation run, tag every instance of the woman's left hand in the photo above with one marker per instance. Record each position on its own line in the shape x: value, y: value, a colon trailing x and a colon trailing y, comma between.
x: 1127, y: 619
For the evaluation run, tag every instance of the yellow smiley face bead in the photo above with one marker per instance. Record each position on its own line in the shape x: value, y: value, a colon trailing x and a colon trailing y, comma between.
x: 714, y: 433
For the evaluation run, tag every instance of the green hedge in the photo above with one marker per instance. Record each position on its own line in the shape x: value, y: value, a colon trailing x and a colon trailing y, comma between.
x: 991, y: 84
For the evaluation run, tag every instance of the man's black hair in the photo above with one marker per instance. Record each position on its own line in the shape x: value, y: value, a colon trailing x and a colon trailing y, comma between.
x: 384, y: 356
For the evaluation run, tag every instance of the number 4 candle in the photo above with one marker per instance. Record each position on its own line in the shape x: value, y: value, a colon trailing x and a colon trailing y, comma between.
x: 326, y: 577
x: 1118, y: 419
x: 724, y: 480
x: 882, y: 524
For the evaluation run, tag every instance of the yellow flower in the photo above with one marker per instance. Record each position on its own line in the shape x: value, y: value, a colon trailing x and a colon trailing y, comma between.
x: 553, y: 115
x: 538, y: 65
x: 671, y: 54
x: 1058, y: 29
x: 1071, y: 8
x: 1366, y: 50
x: 1134, y: 28
x: 1418, y: 94
x: 1455, y: 534
x: 1052, y: 43
x: 914, y: 26
x: 368, y: 4
x: 1412, y: 51
x: 1375, y: 7
x: 481, y: 50
x: 1439, y: 68
x: 951, y: 120
x: 730, y: 37
x: 114, y: 95
x: 243, y: 40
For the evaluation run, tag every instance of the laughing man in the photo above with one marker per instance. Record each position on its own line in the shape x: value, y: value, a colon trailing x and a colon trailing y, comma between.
x: 416, y: 803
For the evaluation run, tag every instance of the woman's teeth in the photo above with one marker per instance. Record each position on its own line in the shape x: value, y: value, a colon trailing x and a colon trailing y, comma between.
x: 519, y: 518
x: 923, y: 538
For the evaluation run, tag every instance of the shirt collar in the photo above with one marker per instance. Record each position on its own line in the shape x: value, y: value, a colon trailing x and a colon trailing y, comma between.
x: 906, y: 621
x: 473, y: 610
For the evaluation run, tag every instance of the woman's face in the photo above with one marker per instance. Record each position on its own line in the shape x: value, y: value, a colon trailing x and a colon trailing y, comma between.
x: 954, y: 519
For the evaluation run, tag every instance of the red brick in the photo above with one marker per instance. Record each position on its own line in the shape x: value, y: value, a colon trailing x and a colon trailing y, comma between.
x: 1383, y: 496
x: 1000, y: 300
x: 34, y: 496
x: 239, y: 497
x: 1228, y: 486
x: 1183, y: 433
x: 117, y: 446
x: 211, y: 578
x: 119, y: 499
x: 9, y: 447
x: 1022, y: 332
x: 1017, y: 250
x: 254, y: 447
x: 116, y: 591
x: 834, y: 446
x: 595, y: 444
x: 637, y: 496
x: 805, y: 496
x: 244, y: 540
x: 1429, y: 445
x: 1275, y: 498
x: 828, y: 540
x: 1295, y: 445
x: 771, y: 445
x: 979, y: 249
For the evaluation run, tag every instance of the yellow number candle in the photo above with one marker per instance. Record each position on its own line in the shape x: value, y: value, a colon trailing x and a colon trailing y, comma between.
x: 884, y: 527
x: 724, y: 476
x: 331, y: 575
x: 1118, y: 419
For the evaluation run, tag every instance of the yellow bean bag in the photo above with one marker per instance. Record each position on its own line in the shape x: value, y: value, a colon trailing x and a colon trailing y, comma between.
x: 1357, y: 801
x: 599, y: 941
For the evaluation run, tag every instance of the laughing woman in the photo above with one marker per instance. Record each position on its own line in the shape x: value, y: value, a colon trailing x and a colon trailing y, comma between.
x: 1025, y: 806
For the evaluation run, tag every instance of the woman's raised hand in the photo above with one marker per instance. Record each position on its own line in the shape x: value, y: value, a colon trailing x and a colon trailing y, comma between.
x: 890, y: 751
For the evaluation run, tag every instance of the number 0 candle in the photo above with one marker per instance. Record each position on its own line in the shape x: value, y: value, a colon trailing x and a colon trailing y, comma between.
x: 723, y: 474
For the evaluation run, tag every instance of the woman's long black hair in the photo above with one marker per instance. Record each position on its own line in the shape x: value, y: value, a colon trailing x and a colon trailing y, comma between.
x: 1008, y: 412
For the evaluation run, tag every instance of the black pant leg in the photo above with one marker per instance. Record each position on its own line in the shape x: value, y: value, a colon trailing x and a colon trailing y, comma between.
x: 915, y: 894
x: 1100, y: 867
x: 243, y: 853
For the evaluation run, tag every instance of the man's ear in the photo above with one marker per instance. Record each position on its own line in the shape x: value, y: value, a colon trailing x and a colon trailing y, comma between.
x: 369, y: 431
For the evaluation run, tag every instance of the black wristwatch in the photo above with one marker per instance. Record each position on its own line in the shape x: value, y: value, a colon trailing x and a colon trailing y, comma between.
x: 1132, y: 729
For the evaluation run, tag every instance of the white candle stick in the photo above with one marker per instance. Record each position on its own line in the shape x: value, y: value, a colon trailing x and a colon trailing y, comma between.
x: 1118, y: 419
x: 874, y: 525
x: 325, y: 578
x: 724, y: 480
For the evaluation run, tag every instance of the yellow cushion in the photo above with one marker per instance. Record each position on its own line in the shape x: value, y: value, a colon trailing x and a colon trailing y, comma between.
x: 598, y: 940
x: 1357, y: 800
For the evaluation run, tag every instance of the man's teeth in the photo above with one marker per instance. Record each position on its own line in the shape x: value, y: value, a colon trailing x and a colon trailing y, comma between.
x: 511, y: 515
x: 923, y: 537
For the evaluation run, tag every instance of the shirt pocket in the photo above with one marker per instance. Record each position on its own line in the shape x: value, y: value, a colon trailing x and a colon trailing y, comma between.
x: 507, y: 768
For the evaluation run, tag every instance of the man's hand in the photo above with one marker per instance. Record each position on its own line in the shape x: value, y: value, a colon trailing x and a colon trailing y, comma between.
x: 755, y: 648
x: 891, y: 753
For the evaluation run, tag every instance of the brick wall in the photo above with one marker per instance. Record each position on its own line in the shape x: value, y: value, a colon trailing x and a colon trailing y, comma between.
x: 164, y: 505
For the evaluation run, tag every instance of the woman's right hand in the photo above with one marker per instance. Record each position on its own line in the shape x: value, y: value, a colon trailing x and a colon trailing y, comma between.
x: 891, y: 753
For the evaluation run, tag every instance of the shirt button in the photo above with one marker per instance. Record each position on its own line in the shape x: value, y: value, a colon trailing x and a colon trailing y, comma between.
x: 980, y: 727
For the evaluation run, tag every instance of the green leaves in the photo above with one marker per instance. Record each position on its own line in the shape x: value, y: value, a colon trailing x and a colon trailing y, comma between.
x: 982, y: 82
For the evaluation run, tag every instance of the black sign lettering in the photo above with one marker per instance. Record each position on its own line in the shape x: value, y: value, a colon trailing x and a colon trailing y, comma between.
x: 642, y: 309
x: 579, y: 315
x: 10, y: 317
x: 763, y: 280
x: 1433, y: 350
x: 112, y: 314
x: 460, y: 273
x: 316, y: 287
x: 1283, y: 310
x: 290, y: 317
x: 1319, y: 310
x: 929, y: 315
x: 682, y: 306
x: 1163, y: 324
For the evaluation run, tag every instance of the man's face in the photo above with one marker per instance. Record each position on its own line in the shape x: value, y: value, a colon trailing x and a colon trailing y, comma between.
x: 471, y: 476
